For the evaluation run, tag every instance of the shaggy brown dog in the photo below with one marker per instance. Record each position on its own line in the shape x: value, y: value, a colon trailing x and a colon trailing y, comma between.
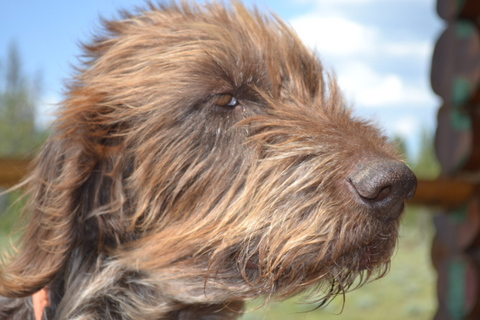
x: 202, y: 158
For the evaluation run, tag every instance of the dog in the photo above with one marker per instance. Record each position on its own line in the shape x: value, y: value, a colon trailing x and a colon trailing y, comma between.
x: 202, y: 157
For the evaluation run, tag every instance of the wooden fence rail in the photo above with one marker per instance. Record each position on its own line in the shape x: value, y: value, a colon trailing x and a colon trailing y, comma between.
x: 441, y: 192
x: 12, y: 171
x: 445, y: 193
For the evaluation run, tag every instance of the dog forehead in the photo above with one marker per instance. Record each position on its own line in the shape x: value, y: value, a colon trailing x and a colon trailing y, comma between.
x: 149, y: 57
x: 229, y: 43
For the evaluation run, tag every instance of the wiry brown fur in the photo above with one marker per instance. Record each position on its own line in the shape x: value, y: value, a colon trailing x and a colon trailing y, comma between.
x: 154, y: 200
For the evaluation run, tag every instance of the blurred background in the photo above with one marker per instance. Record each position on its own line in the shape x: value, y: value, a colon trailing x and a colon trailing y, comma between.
x: 381, y: 52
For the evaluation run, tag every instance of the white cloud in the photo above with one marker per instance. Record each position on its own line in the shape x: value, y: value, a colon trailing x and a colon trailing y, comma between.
x: 363, y: 86
x: 46, y: 108
x: 334, y: 35
x: 353, y: 48
x: 418, y: 49
x: 406, y: 125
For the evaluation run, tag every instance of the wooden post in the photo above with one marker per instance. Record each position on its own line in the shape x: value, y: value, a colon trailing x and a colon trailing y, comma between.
x: 455, y: 77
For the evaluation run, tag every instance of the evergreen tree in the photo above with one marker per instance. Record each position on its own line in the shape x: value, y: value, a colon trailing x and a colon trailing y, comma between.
x: 19, y: 137
x: 18, y: 102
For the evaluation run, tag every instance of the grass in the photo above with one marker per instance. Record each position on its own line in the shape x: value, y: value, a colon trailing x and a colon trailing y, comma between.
x: 9, y: 213
x: 4, y: 242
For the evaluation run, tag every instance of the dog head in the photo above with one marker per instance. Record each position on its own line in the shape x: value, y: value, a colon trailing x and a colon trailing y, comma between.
x: 206, y: 147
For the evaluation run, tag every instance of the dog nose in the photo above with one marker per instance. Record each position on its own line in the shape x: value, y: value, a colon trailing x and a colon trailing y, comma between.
x: 382, y: 186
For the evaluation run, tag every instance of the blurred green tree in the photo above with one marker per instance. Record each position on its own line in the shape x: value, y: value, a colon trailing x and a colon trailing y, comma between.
x: 19, y: 97
x: 401, y: 145
x: 426, y: 165
x: 19, y: 135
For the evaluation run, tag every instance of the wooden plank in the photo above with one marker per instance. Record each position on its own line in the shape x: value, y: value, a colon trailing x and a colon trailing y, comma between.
x: 442, y: 192
x: 458, y: 286
x: 457, y: 229
x: 446, y: 193
x: 453, y: 9
x: 455, y: 74
x: 453, y: 139
x: 12, y: 171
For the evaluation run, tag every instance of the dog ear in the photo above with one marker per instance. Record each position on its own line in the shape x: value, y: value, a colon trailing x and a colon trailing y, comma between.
x: 49, y: 218
x: 69, y: 195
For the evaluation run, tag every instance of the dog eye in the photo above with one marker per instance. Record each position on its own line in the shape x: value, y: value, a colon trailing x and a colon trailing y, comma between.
x: 226, y: 100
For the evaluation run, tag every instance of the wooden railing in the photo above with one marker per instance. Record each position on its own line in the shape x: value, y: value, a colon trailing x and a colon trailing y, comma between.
x: 441, y: 192
x: 444, y: 193
x: 12, y: 171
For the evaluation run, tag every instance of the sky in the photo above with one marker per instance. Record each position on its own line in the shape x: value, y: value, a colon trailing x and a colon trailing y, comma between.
x: 379, y: 50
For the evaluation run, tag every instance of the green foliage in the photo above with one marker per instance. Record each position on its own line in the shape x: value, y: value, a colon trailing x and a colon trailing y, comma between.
x: 18, y: 100
x: 14, y: 203
x: 401, y: 145
x: 19, y: 137
x: 426, y: 165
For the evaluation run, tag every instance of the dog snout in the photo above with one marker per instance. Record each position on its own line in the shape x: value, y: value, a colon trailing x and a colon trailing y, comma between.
x: 382, y: 186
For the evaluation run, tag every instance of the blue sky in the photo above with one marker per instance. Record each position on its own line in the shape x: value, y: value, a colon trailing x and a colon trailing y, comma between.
x: 380, y: 50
